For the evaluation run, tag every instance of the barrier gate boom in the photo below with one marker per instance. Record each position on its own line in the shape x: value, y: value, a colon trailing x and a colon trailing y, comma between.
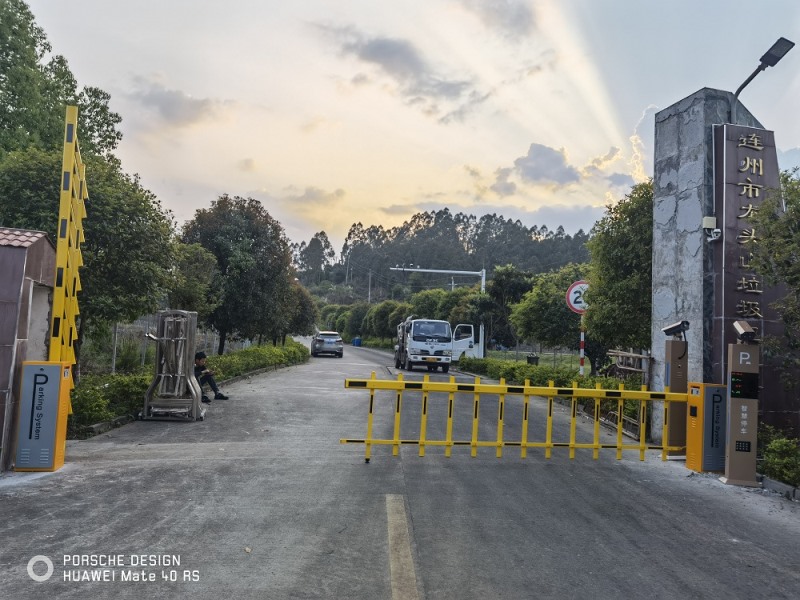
x: 502, y: 390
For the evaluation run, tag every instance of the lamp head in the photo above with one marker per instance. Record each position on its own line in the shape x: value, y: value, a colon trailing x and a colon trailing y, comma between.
x: 776, y: 52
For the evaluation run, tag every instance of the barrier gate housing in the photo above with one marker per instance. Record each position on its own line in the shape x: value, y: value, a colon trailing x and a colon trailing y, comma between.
x: 501, y: 391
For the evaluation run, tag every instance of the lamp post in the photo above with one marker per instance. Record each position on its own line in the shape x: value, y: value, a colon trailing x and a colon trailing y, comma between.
x: 770, y: 59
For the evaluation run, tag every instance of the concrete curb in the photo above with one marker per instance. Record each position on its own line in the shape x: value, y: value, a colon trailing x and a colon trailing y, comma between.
x: 99, y: 428
x: 787, y: 491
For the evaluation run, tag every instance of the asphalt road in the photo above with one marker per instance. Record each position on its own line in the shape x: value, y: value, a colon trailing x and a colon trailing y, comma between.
x: 261, y: 500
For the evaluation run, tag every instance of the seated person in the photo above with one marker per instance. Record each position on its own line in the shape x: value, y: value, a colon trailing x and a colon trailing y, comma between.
x: 205, y: 375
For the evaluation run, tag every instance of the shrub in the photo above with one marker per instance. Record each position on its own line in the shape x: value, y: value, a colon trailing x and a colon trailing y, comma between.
x: 782, y: 461
x: 517, y: 372
x: 89, y: 406
x: 255, y: 358
x: 384, y: 344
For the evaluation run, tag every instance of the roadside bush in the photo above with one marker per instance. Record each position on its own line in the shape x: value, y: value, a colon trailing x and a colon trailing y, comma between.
x: 383, y: 344
x: 89, y: 406
x: 766, y: 435
x: 782, y: 461
x: 255, y: 358
x: 517, y: 372
x: 125, y: 393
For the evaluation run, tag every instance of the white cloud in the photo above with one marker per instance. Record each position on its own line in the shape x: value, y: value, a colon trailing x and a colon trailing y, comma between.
x: 546, y: 165
x: 174, y: 107
x: 511, y: 18
x: 419, y: 83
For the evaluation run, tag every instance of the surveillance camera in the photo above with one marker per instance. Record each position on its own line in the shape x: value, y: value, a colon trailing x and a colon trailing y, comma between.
x: 676, y: 329
x: 712, y: 235
x: 744, y: 331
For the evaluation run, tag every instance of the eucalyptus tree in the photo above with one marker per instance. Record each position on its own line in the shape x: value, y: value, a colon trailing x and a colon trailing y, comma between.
x: 315, y: 258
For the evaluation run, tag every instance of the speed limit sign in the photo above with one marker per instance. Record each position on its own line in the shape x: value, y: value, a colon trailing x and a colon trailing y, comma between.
x: 576, y: 297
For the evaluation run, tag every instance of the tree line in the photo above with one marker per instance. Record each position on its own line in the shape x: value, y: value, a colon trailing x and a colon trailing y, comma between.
x: 431, y: 240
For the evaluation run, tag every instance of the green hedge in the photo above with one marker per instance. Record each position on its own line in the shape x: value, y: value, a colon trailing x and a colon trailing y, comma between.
x: 516, y: 373
x: 383, y: 344
x: 782, y: 461
x: 99, y: 398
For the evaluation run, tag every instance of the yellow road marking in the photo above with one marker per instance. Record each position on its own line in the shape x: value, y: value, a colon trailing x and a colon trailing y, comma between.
x: 401, y: 563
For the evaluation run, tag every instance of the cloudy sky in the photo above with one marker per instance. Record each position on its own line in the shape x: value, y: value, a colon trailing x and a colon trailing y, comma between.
x: 333, y: 112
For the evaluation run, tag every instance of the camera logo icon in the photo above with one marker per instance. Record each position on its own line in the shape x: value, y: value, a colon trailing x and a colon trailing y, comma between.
x: 39, y: 558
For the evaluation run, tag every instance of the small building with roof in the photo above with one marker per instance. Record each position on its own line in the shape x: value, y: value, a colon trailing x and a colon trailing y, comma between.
x: 27, y: 273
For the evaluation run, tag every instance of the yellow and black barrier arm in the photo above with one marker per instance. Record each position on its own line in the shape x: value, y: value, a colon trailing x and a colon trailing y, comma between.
x: 502, y: 390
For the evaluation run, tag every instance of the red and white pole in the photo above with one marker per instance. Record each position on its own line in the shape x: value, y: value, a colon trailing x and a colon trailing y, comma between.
x: 583, y: 343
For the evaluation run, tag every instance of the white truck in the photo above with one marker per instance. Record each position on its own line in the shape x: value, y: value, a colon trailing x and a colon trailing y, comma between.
x: 432, y: 344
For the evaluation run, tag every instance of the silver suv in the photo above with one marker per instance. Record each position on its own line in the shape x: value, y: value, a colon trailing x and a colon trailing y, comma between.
x: 327, y: 342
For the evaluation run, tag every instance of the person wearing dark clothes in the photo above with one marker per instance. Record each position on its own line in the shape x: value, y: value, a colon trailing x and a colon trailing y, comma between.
x: 205, y: 375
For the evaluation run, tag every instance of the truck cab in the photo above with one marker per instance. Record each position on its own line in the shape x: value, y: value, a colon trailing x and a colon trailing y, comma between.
x: 432, y: 344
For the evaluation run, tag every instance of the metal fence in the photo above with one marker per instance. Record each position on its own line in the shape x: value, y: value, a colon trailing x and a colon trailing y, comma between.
x: 130, y: 342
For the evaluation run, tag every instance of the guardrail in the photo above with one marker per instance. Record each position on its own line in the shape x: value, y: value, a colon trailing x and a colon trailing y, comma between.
x: 426, y: 387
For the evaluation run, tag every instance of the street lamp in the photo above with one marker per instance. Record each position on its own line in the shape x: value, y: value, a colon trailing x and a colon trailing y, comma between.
x: 770, y: 59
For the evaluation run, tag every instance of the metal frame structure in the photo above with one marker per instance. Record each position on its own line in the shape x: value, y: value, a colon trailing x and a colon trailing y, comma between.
x: 174, y: 394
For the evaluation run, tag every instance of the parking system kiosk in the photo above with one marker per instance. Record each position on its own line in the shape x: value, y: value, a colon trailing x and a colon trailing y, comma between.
x: 44, y: 407
x: 675, y: 380
x: 706, y: 423
x: 740, y: 446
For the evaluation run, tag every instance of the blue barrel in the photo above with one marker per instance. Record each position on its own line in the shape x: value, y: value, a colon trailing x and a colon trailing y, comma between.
x: 356, y: 341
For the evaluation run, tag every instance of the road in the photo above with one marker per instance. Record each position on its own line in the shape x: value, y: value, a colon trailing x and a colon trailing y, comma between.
x: 261, y: 500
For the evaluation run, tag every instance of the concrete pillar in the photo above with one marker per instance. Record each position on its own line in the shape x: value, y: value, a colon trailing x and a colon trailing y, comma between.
x: 682, y: 195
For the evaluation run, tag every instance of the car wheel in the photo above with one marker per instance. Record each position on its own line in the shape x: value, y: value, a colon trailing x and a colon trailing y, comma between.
x: 409, y: 366
x: 397, y: 363
x: 340, y: 355
x: 445, y: 368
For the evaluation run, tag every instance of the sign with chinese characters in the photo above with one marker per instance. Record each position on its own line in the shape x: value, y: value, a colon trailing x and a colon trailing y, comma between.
x: 745, y: 173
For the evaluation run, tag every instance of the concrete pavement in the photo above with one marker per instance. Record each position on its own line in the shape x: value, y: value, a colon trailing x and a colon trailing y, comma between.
x: 261, y: 501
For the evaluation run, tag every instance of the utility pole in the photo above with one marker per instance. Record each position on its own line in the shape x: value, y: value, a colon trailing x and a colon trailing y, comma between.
x: 369, y: 288
x: 481, y: 274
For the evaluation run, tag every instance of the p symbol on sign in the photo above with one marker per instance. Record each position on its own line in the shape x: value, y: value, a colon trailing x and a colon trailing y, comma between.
x: 744, y: 358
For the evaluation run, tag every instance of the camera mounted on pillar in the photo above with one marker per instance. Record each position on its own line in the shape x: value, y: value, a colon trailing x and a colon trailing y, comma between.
x: 744, y: 332
x: 676, y: 330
